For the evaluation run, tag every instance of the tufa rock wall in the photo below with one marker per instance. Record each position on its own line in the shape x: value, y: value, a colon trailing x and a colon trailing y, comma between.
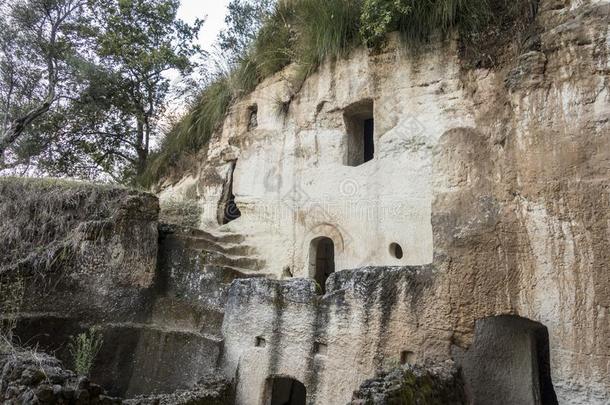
x: 86, y: 256
x: 406, y: 385
x: 497, y: 179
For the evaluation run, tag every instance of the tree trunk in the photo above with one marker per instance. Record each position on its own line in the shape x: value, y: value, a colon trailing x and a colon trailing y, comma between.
x: 141, y: 147
x: 18, y: 125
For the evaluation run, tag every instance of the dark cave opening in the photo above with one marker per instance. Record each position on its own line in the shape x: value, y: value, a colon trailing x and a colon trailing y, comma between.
x: 286, y: 391
x: 360, y: 127
x: 228, y: 209
x: 322, y: 260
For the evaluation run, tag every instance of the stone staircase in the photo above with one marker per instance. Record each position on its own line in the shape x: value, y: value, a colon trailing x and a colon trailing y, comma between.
x: 225, y: 250
x: 196, y: 269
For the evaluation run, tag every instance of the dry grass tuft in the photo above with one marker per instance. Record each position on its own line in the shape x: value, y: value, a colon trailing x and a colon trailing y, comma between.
x: 44, y: 220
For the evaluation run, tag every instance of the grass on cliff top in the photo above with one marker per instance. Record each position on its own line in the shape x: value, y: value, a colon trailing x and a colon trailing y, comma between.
x: 41, y: 218
x: 306, y: 32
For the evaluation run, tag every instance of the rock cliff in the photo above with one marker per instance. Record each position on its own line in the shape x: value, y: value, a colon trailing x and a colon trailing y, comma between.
x: 399, y: 207
x: 492, y: 179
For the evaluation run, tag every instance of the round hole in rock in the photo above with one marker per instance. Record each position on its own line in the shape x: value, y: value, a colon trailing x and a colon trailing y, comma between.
x: 396, y: 251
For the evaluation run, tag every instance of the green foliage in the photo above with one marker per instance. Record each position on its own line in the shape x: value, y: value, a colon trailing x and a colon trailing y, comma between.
x: 244, y: 19
x: 380, y: 17
x: 84, y: 348
x: 419, y: 20
x: 273, y: 48
x: 305, y: 33
x: 38, y: 51
x: 327, y: 28
x: 96, y: 82
x: 194, y: 131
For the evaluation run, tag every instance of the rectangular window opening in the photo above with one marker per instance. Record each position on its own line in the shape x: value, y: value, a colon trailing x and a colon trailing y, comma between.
x: 360, y: 127
x: 252, y: 117
x: 407, y: 357
x: 260, y: 342
x: 320, y: 348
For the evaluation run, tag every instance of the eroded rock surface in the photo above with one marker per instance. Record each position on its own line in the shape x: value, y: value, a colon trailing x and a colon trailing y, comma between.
x: 35, y: 378
x: 482, y: 214
x: 433, y: 385
x: 80, y: 255
x: 497, y: 179
x: 212, y: 390
x: 28, y: 378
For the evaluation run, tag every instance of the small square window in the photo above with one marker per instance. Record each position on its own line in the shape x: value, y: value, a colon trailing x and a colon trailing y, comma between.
x: 320, y: 348
x: 260, y: 342
x: 407, y: 357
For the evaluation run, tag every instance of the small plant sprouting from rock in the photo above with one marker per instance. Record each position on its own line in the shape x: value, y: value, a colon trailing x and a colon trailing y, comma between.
x: 12, y: 292
x: 84, y: 348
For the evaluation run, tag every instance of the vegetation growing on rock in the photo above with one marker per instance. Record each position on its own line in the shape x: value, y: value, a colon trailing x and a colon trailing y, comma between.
x: 53, y: 216
x: 84, y: 349
x: 306, y: 32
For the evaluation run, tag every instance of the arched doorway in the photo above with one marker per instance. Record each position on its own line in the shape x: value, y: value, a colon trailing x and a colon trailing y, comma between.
x: 509, y: 363
x: 321, y: 260
x: 285, y: 391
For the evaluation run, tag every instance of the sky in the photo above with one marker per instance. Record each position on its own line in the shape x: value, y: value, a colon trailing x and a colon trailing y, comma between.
x: 213, y: 11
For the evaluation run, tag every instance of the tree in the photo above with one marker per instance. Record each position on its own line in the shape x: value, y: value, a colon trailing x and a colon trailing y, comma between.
x: 139, y: 41
x: 36, y: 43
x: 244, y: 19
x: 99, y: 82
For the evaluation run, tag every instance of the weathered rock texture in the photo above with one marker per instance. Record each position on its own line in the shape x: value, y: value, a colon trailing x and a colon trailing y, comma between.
x: 210, y: 391
x: 86, y: 255
x: 29, y: 377
x: 479, y: 232
x: 509, y: 363
x: 410, y: 385
x: 495, y: 180
x: 37, y: 378
x: 331, y: 343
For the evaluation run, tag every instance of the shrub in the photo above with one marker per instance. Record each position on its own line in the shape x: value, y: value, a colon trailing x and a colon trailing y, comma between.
x: 84, y: 348
x: 418, y: 20
x: 327, y: 28
x: 380, y: 17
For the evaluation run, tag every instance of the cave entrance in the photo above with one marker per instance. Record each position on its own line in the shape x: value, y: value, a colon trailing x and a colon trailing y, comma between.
x: 321, y: 260
x: 509, y: 363
x: 227, y: 209
x: 285, y: 391
x: 360, y: 127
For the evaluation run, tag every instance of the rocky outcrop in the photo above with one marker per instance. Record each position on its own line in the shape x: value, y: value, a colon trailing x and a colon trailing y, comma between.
x: 413, y: 384
x: 28, y: 377
x: 212, y: 390
x: 475, y: 229
x: 82, y: 250
x: 366, y: 321
x: 494, y: 180
x: 182, y: 339
x: 156, y: 296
